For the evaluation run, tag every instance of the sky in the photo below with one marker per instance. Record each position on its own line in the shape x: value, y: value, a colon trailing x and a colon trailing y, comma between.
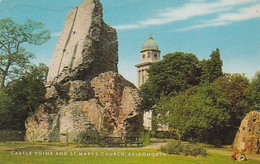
x: 192, y: 26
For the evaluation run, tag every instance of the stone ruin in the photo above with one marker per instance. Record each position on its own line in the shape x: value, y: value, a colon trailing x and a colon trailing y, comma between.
x: 84, y: 90
x: 248, y: 136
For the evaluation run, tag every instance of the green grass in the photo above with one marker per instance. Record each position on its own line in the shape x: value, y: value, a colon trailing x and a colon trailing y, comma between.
x: 73, y: 156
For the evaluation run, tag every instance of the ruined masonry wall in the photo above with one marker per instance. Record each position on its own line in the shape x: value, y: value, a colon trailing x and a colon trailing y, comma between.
x: 72, y: 39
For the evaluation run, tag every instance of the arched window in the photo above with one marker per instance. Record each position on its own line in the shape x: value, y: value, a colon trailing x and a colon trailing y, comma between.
x: 155, y: 56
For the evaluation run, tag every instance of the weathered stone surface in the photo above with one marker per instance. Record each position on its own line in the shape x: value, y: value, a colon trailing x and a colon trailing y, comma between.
x: 87, y: 46
x: 121, y: 102
x: 78, y: 117
x: 84, y: 90
x: 114, y: 107
x: 43, y: 124
x: 248, y: 136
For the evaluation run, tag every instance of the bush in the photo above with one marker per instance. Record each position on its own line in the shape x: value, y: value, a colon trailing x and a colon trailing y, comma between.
x: 11, y: 135
x: 176, y: 147
x: 92, y: 137
x: 165, y: 135
x: 146, y: 138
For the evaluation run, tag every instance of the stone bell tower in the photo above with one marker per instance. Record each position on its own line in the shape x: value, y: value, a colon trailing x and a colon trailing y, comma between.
x: 149, y: 54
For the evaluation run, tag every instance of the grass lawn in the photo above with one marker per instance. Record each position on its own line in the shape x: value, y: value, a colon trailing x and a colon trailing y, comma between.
x: 58, y: 154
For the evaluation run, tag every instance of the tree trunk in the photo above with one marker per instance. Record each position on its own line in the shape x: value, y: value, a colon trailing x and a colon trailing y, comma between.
x: 2, y: 83
x: 5, y: 73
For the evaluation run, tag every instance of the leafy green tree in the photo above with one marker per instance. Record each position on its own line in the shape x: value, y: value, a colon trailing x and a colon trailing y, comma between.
x: 211, y: 69
x: 235, y: 88
x: 26, y: 93
x: 14, y: 58
x: 176, y: 72
x: 195, y: 115
x: 254, y: 92
x: 148, y: 98
x: 211, y: 112
x: 6, y: 104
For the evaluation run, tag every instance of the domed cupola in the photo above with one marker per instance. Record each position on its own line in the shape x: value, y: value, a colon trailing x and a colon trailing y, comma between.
x: 150, y: 44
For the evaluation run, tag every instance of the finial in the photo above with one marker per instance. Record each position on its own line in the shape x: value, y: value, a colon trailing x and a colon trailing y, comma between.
x: 150, y: 35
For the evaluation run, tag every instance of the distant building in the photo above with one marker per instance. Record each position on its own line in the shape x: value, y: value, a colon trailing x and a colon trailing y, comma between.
x: 149, y: 54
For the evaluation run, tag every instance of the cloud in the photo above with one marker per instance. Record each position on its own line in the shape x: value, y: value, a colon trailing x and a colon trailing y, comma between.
x: 127, y: 27
x: 56, y: 34
x: 228, y: 18
x: 204, y: 26
x: 243, y: 14
x: 195, y: 8
x: 197, y: 0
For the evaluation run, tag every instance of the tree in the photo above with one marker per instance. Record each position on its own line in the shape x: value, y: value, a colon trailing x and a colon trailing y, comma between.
x: 176, y: 72
x: 26, y: 94
x: 5, y: 109
x: 235, y: 88
x: 211, y: 69
x: 14, y: 58
x: 148, y: 97
x: 211, y: 112
x: 197, y: 114
x: 254, y: 92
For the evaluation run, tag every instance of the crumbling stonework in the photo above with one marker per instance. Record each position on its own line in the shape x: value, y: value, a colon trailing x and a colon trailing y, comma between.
x: 84, y: 90
x: 87, y: 46
x: 248, y: 136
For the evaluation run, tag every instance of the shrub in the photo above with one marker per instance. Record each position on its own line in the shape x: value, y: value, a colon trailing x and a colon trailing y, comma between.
x: 146, y: 138
x: 11, y: 135
x: 92, y: 137
x: 176, y: 147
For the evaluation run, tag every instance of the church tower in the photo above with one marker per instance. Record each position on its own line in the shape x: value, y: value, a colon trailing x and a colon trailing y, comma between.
x: 150, y: 53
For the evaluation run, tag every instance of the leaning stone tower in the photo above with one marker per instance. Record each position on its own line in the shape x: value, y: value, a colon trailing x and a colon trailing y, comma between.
x: 150, y: 53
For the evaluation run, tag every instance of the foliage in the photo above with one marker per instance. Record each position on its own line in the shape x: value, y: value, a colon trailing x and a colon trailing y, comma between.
x: 24, y: 96
x: 148, y: 98
x: 194, y: 114
x: 29, y: 91
x: 92, y: 137
x: 5, y: 112
x: 254, y: 93
x: 89, y: 137
x: 208, y: 113
x: 211, y: 69
x: 14, y: 58
x: 11, y: 135
x: 235, y: 88
x: 146, y: 138
x: 176, y: 147
x: 176, y: 72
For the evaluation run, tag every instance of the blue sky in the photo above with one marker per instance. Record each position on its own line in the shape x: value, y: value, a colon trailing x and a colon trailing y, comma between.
x: 196, y: 26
